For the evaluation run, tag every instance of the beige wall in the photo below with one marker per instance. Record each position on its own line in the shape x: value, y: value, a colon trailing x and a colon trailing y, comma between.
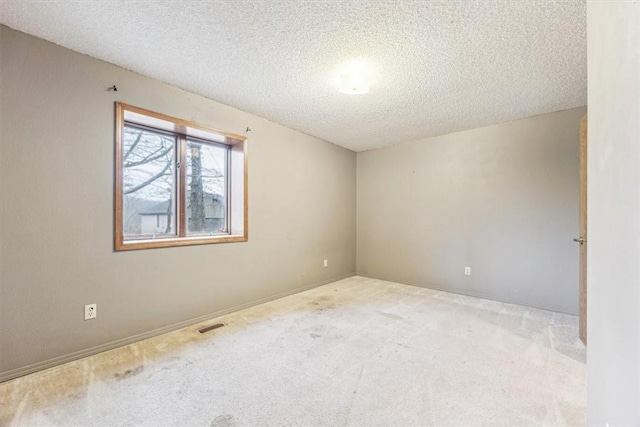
x: 501, y: 199
x: 613, y: 276
x: 56, y: 217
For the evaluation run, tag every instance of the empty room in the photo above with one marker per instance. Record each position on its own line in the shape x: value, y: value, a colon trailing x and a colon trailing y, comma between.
x: 319, y: 213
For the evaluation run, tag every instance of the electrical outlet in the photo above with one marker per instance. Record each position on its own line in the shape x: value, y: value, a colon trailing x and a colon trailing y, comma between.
x: 90, y: 311
x: 467, y: 271
x: 326, y: 263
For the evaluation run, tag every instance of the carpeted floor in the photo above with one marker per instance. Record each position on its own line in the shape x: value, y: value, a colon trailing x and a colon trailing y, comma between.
x: 355, y: 352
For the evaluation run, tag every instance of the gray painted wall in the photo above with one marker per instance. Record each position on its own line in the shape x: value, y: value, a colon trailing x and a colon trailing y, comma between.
x: 501, y: 199
x: 613, y: 267
x: 56, y: 214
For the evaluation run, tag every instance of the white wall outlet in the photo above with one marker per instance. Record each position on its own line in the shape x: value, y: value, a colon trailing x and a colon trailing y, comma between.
x: 467, y: 271
x: 326, y: 263
x: 90, y: 311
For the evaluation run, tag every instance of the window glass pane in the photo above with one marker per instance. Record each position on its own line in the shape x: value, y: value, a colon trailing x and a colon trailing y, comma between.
x: 148, y: 175
x: 206, y: 188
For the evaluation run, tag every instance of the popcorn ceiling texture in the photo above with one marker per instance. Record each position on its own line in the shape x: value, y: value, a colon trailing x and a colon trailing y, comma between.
x: 440, y: 66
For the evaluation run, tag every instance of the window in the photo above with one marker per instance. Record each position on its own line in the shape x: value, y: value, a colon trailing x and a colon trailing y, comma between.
x: 177, y: 183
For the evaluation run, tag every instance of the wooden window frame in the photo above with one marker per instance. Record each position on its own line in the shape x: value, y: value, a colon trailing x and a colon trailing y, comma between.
x: 237, y: 215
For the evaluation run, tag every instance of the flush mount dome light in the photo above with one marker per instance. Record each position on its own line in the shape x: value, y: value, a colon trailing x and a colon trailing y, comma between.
x: 354, y: 78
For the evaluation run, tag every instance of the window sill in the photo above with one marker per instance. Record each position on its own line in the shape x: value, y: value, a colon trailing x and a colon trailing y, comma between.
x: 178, y: 241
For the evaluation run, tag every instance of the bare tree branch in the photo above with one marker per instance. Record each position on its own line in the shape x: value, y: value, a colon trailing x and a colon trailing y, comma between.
x: 133, y: 146
x: 148, y: 159
x: 149, y: 181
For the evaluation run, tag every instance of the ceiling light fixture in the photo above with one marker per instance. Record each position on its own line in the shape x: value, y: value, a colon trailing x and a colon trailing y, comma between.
x: 354, y: 78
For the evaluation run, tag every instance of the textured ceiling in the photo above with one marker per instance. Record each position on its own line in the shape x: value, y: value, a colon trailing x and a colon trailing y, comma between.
x: 439, y: 66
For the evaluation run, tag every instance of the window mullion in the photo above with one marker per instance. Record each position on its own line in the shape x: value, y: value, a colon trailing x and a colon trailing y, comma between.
x: 227, y: 178
x: 182, y: 186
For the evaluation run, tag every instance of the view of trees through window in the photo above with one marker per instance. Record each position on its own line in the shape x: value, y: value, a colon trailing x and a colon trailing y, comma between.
x: 206, y: 187
x: 150, y: 174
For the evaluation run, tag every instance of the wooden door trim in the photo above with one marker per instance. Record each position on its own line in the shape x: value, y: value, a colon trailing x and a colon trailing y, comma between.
x: 583, y: 231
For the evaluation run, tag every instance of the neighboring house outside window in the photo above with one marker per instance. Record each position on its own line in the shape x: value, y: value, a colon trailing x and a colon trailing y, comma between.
x: 155, y: 220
